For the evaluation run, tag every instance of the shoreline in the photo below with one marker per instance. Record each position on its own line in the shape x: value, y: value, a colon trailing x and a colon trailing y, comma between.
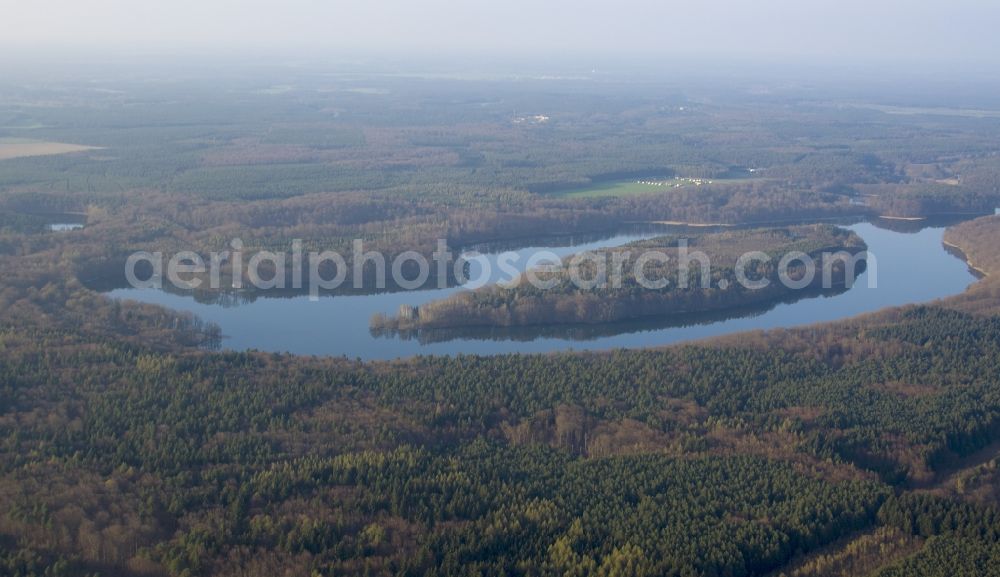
x: 965, y: 255
x: 692, y: 224
x: 748, y: 223
x: 904, y: 218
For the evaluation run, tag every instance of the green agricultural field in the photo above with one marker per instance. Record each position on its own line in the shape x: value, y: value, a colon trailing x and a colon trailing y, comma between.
x: 621, y: 188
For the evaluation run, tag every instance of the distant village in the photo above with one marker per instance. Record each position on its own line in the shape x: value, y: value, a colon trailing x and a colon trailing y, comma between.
x: 675, y: 182
x: 536, y: 119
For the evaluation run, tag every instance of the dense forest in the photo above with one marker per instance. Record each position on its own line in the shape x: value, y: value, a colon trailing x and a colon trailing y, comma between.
x: 136, y: 455
x: 131, y: 445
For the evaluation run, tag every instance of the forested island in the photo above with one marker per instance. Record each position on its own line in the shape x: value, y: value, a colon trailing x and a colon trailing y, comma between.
x: 613, y: 292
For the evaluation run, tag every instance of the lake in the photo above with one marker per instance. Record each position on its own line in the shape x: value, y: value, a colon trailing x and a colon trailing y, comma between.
x: 913, y: 266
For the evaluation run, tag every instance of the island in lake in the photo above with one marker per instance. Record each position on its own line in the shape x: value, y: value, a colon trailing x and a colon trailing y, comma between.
x: 674, y: 281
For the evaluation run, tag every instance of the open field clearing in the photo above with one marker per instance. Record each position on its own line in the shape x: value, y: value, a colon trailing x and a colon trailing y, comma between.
x: 19, y: 148
x: 621, y: 188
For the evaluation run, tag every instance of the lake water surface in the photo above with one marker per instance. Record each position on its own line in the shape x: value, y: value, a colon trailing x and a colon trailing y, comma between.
x: 912, y: 266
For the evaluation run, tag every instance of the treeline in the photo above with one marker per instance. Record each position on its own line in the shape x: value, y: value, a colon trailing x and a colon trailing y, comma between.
x: 928, y: 199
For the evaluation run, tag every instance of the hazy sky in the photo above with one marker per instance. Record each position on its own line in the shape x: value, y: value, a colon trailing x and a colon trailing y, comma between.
x: 880, y: 31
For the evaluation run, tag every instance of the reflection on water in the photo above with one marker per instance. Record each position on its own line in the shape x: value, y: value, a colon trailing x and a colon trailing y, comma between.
x: 912, y: 266
x: 591, y: 332
x: 914, y: 226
